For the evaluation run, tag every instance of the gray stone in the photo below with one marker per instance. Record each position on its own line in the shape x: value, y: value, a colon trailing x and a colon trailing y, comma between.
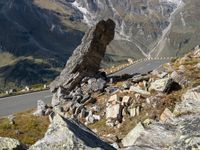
x: 110, y: 122
x: 67, y: 134
x: 41, y: 108
x: 55, y: 100
x: 126, y: 85
x: 190, y: 102
x: 113, y: 111
x: 85, y: 98
x: 138, y: 90
x: 126, y: 100
x: 96, y: 84
x: 48, y: 112
x: 139, y: 78
x: 132, y: 111
x: 112, y: 90
x: 166, y: 116
x: 87, y: 57
x: 166, y: 85
x: 114, y: 98
x: 11, y: 119
x: 11, y: 144
x: 133, y: 135
x: 83, y: 113
x: 159, y: 85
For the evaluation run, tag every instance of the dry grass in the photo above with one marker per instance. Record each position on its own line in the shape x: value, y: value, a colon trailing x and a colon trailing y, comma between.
x: 27, y: 128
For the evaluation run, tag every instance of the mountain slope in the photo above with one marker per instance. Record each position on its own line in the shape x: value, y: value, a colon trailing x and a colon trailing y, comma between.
x: 147, y: 28
x: 28, y: 29
x: 47, y: 31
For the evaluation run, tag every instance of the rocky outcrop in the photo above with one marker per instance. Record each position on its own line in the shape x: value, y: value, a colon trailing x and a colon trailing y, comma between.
x: 11, y: 144
x: 69, y: 134
x: 172, y: 132
x: 190, y: 102
x: 86, y: 59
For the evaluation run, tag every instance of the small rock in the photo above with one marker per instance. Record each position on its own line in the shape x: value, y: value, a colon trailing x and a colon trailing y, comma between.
x: 110, y: 123
x: 67, y: 106
x: 114, y: 98
x: 138, y: 110
x: 112, y: 90
x: 41, y: 108
x: 11, y: 119
x: 115, y: 145
x: 83, y: 113
x: 132, y: 111
x: 147, y: 122
x: 126, y: 100
x: 182, y: 68
x: 126, y: 85
x: 48, y: 111
x: 138, y: 90
x: 113, y: 111
x: 166, y: 116
x: 97, y: 117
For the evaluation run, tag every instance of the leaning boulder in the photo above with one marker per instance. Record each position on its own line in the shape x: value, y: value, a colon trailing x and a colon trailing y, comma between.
x: 66, y: 134
x: 87, y: 57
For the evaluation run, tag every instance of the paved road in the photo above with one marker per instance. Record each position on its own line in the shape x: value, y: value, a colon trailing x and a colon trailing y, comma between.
x: 13, y: 104
x: 24, y: 102
x: 141, y: 67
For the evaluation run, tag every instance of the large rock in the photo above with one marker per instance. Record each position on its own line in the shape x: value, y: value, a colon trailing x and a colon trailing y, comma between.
x: 190, y: 102
x: 67, y: 134
x: 166, y: 85
x: 176, y: 133
x: 132, y: 136
x: 182, y: 133
x: 87, y: 57
x: 10, y: 144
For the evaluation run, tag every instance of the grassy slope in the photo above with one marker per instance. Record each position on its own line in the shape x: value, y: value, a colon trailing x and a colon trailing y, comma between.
x: 27, y: 128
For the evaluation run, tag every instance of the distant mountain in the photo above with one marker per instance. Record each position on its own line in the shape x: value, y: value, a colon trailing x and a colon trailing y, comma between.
x: 147, y: 28
x: 41, y: 30
x: 45, y: 32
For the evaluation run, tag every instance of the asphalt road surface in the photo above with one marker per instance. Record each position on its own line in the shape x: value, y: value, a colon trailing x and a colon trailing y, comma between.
x: 13, y: 104
x: 141, y: 67
x: 20, y: 103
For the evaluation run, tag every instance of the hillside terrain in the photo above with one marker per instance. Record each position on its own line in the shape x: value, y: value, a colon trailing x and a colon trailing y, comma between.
x: 44, y: 33
x: 92, y: 110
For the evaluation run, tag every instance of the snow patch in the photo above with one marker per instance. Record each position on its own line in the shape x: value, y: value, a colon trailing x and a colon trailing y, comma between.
x: 84, y: 11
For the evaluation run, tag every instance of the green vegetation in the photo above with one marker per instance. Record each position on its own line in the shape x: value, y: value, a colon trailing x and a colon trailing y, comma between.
x: 27, y: 128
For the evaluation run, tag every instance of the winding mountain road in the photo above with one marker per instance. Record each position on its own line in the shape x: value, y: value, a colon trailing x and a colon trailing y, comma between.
x: 141, y: 67
x: 14, y: 104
